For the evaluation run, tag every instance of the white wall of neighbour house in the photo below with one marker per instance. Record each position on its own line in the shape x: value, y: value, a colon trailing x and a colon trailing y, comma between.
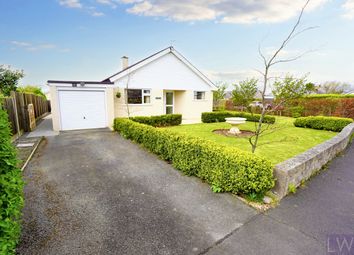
x: 165, y: 73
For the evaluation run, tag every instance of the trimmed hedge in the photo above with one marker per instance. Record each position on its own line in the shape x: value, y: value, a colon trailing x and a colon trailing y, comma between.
x: 324, y: 123
x: 159, y: 121
x: 11, y: 190
x: 209, y: 117
x: 316, y: 96
x: 225, y: 169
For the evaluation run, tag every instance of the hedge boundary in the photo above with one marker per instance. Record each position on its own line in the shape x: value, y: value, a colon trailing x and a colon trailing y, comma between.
x: 11, y: 187
x: 160, y: 120
x: 317, y: 96
x: 225, y: 169
x: 323, y: 123
x: 210, y: 117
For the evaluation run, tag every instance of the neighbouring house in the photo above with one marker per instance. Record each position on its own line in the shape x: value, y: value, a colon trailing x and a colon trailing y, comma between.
x: 163, y: 83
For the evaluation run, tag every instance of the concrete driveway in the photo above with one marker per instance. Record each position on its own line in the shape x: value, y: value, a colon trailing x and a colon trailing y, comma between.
x: 93, y: 192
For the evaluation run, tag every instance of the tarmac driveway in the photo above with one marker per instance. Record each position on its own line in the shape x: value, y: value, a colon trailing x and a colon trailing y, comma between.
x: 93, y: 192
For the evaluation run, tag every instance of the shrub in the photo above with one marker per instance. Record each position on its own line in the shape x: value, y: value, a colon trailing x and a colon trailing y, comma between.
x: 209, y: 117
x: 11, y: 190
x: 321, y: 122
x: 226, y: 169
x: 296, y: 111
x: 160, y: 121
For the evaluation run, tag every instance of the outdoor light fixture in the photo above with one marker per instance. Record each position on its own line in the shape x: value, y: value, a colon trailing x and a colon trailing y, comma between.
x: 82, y: 84
x: 74, y: 85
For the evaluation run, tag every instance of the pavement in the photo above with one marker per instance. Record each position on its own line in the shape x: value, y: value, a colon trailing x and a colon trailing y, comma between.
x: 44, y: 128
x: 93, y: 192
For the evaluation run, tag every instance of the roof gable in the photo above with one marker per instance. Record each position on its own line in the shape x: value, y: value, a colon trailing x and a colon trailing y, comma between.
x: 155, y: 58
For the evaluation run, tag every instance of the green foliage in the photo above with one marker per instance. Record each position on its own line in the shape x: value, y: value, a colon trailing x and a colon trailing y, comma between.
x: 9, y: 79
x: 292, y: 188
x: 219, y: 95
x: 290, y: 88
x: 32, y: 90
x: 159, y: 121
x: 210, y: 117
x: 11, y: 190
x: 323, y: 123
x: 296, y: 111
x: 255, y: 197
x: 244, y: 92
x: 225, y: 169
x: 316, y: 96
x: 220, y: 91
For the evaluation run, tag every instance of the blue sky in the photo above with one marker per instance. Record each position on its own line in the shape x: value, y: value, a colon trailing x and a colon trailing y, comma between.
x: 84, y: 39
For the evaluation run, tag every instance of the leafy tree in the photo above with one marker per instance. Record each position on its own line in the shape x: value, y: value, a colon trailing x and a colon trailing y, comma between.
x: 219, y: 94
x: 290, y: 88
x: 9, y: 79
x: 269, y: 62
x: 36, y: 90
x: 333, y: 87
x: 244, y: 92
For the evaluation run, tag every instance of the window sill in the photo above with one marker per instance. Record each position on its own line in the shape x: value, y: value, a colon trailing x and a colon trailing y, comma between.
x: 137, y: 104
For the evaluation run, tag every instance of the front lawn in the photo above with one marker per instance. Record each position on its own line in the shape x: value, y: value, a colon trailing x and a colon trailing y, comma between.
x: 286, y: 142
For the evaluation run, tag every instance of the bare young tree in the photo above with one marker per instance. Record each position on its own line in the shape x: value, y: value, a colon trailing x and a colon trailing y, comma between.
x: 269, y: 63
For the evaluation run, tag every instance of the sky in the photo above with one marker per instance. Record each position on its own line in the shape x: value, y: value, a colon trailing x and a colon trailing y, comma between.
x: 85, y: 39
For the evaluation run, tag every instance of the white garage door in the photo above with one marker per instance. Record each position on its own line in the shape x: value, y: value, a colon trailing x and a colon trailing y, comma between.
x: 82, y: 109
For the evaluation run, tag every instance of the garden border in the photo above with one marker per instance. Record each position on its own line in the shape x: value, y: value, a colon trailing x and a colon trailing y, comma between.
x: 298, y: 169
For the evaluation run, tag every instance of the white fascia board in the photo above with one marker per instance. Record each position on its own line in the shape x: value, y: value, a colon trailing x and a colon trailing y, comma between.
x: 69, y: 85
x: 151, y: 59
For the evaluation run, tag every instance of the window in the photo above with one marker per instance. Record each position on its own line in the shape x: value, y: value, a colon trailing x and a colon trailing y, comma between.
x: 138, y: 96
x: 199, y: 95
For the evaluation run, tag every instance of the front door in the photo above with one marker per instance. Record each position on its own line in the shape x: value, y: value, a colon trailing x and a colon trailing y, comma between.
x: 169, y: 101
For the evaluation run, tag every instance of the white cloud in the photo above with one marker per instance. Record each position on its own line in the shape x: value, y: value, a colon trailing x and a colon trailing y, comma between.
x: 349, y: 9
x: 71, y: 3
x: 97, y: 14
x: 35, y: 47
x: 226, y: 11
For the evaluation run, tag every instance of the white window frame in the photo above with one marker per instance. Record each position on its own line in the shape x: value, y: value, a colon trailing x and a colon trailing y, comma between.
x: 195, y: 95
x: 143, y: 94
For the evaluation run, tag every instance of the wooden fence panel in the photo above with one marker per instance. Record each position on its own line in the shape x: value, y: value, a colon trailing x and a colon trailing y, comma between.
x: 21, y: 101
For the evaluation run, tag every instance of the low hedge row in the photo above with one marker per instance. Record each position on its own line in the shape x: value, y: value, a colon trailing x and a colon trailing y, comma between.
x: 316, y: 96
x: 225, y: 169
x: 324, y: 123
x: 11, y: 190
x: 160, y: 121
x: 209, y: 117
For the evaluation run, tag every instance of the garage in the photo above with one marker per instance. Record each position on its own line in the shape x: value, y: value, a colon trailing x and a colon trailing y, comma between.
x: 80, y: 105
x: 82, y: 109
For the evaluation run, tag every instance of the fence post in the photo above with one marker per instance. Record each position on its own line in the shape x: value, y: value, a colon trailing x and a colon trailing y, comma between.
x: 13, y: 97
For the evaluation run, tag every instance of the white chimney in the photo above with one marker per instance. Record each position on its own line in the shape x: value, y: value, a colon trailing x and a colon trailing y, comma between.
x: 125, y: 62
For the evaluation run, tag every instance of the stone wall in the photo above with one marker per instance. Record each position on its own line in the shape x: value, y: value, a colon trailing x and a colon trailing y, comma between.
x: 301, y: 167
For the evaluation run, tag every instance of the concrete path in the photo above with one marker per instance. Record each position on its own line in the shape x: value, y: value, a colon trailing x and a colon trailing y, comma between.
x: 93, y: 192
x: 44, y: 128
x: 302, y: 222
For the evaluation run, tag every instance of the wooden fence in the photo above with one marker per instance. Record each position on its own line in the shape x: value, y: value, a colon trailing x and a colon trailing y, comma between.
x: 17, y: 108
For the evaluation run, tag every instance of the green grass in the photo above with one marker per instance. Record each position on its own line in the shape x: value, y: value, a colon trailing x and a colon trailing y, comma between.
x: 277, y: 145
